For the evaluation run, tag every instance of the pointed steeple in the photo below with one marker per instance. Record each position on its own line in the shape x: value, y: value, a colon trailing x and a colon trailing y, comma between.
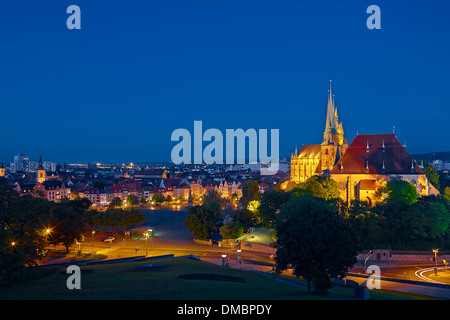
x: 41, y: 174
x: 330, y: 122
x: 40, y: 161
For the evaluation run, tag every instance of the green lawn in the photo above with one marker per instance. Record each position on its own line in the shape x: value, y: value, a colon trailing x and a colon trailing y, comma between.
x: 122, y: 281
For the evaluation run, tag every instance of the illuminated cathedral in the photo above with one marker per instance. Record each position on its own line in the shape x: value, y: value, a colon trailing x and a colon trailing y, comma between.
x: 361, y: 168
x: 319, y: 159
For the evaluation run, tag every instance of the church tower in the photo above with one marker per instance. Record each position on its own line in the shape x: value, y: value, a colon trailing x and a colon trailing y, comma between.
x: 334, y: 143
x: 41, y: 174
x: 319, y: 159
x: 2, y: 171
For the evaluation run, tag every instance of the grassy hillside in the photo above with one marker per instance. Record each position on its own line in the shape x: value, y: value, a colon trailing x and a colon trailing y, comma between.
x: 181, y: 279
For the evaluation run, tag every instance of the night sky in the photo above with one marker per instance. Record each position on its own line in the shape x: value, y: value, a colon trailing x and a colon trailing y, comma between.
x: 115, y: 90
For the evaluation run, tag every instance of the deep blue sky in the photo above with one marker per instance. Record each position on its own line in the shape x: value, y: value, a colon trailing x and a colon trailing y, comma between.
x: 137, y: 70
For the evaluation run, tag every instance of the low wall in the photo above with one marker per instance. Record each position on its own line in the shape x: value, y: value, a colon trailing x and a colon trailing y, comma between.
x: 257, y: 248
x: 226, y: 243
x: 206, y: 242
x: 388, y: 255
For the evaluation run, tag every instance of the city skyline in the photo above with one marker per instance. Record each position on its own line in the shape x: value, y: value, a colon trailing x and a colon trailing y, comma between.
x: 114, y: 91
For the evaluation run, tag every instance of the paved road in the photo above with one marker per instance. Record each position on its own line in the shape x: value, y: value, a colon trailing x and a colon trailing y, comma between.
x: 171, y: 237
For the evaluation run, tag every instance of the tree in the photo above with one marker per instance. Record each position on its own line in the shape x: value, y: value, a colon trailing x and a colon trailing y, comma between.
x: 447, y: 193
x: 129, y: 217
x: 23, y: 220
x: 394, y: 221
x: 112, y: 218
x: 200, y: 221
x: 271, y: 203
x: 132, y: 200
x: 231, y: 230
x: 213, y: 201
x: 253, y: 209
x: 430, y: 217
x: 431, y: 174
x: 69, y: 219
x: 158, y: 198
x: 99, y: 218
x: 365, y: 222
x: 315, y: 240
x: 322, y: 187
x: 116, y: 202
x: 242, y: 217
x: 90, y: 218
x: 250, y: 192
x: 400, y: 190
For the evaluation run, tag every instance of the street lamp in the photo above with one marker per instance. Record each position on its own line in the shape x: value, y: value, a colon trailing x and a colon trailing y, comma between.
x: 365, y: 261
x: 93, y: 231
x: 47, y: 232
x: 435, y: 251
x: 223, y: 259
x: 239, y: 255
x: 146, y: 241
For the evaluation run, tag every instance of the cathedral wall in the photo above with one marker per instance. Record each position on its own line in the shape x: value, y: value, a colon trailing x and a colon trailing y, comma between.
x: 349, y: 185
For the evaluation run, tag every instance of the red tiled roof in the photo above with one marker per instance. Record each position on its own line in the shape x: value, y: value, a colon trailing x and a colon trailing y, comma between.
x: 393, y: 156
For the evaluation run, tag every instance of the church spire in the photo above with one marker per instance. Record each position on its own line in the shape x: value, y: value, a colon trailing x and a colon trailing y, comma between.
x: 41, y: 174
x: 40, y: 161
x: 330, y: 122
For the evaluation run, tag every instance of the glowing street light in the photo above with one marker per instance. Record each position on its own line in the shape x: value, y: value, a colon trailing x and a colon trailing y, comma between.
x: 365, y: 261
x: 435, y: 251
x: 47, y: 232
x: 93, y: 231
x: 146, y: 242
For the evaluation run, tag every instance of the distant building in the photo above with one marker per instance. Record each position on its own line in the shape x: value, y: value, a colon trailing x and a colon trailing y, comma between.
x: 54, y: 190
x: 21, y: 163
x: 150, y: 174
x: 124, y: 189
x: 441, y: 165
x: 92, y: 194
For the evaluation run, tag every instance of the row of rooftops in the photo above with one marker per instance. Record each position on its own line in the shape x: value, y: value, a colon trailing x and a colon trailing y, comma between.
x: 138, y: 181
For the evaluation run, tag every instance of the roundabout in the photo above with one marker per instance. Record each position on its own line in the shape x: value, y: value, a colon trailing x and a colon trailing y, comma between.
x: 438, y: 275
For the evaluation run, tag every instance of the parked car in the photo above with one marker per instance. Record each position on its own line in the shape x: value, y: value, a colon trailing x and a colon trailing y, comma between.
x: 110, y: 239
